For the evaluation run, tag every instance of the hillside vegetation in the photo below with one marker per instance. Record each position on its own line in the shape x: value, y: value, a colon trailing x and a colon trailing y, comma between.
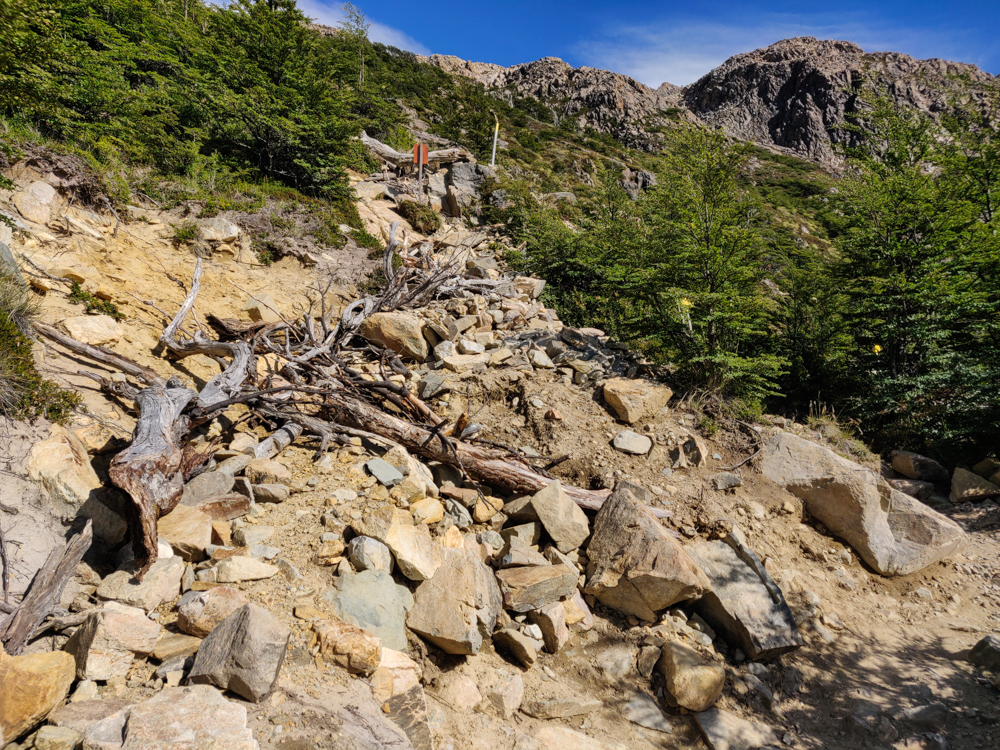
x: 747, y: 275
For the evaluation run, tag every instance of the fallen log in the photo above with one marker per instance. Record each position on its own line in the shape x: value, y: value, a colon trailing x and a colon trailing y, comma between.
x: 46, y: 589
x: 398, y: 158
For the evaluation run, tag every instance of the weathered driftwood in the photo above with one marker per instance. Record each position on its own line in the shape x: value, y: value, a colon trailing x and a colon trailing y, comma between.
x: 45, y: 591
x: 102, y: 355
x: 400, y: 159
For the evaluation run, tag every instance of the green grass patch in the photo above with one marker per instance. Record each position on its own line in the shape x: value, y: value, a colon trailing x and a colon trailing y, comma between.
x: 422, y: 218
x: 94, y: 304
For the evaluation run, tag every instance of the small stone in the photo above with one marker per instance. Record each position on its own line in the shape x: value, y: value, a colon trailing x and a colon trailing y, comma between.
x: 243, y: 654
x: 578, y: 614
x: 353, y: 648
x: 206, y: 486
x: 517, y: 645
x: 551, y: 619
x: 561, y: 517
x: 239, y: 568
x: 427, y: 511
x: 726, y: 480
x: 199, y: 614
x: 366, y: 553
x: 57, y: 738
x: 986, y: 654
x: 693, y: 681
x: 262, y: 309
x: 469, y: 347
x: 635, y: 400
x: 644, y: 711
x: 506, y: 692
x: 627, y: 441
x: 540, y: 360
x: 266, y: 471
x: 86, y: 690
x: 533, y: 587
x: 271, y: 493
x: 172, y: 645
x: 187, y: 530
x: 109, y: 640
x: 416, y: 554
x: 459, y: 691
x: 248, y: 536
x: 387, y: 474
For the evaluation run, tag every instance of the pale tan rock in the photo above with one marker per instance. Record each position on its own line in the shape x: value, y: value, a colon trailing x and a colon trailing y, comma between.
x: 694, y: 681
x: 551, y: 619
x: 452, y: 538
x: 427, y: 511
x: 172, y: 645
x: 36, y: 201
x: 187, y: 530
x: 635, y: 400
x: 578, y: 614
x: 30, y: 687
x: 506, y: 692
x: 725, y: 731
x: 417, y: 556
x: 485, y: 508
x: 57, y: 738
x: 162, y: 582
x: 353, y: 648
x: 240, y: 568
x: 532, y: 587
x: 62, y: 466
x: 200, y: 615
x: 464, y: 362
x: 266, y: 471
x: 458, y: 606
x: 96, y: 330
x: 635, y: 566
x: 966, y: 486
x: 891, y: 531
x: 109, y: 640
x: 459, y: 691
x: 400, y: 332
x: 261, y: 309
x: 563, y: 520
x: 558, y: 737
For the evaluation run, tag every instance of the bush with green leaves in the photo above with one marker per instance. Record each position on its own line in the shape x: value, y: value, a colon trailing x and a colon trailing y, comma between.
x: 423, y: 218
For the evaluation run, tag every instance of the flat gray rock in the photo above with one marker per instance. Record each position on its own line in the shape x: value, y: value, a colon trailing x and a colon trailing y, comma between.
x: 744, y: 606
x: 373, y: 601
x: 725, y: 731
x: 366, y: 553
x: 206, y: 486
x: 627, y: 441
x: 384, y: 472
x: 642, y: 710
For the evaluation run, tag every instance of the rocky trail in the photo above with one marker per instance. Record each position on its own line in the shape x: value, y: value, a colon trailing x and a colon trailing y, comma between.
x: 524, y: 541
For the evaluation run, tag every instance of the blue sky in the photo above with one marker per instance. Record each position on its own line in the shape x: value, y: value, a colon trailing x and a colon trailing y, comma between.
x: 673, y: 41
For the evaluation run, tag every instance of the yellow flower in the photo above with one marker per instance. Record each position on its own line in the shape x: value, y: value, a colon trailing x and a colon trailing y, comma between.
x: 685, y: 302
x: 877, y: 349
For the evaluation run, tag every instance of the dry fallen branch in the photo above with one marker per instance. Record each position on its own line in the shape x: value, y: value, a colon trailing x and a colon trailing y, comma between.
x: 400, y: 159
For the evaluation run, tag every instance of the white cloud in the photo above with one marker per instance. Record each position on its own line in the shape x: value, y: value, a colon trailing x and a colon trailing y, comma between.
x: 329, y: 14
x: 683, y: 52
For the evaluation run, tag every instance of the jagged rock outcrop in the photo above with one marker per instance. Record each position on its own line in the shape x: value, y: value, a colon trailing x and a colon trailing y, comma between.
x: 793, y: 95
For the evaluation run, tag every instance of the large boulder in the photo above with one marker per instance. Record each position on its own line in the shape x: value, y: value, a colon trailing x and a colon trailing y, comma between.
x: 635, y: 565
x: 745, y: 606
x: 62, y: 466
x: 35, y: 202
x: 459, y: 606
x: 635, y: 400
x: 891, y: 531
x: 30, y: 687
x: 400, y: 332
x: 915, y: 466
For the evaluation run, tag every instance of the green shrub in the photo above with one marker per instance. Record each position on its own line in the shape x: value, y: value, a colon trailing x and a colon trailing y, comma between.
x: 23, y: 392
x: 422, y: 218
x: 94, y: 304
x: 186, y: 232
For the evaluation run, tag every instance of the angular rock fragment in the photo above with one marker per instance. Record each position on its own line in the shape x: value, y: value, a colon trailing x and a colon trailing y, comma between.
x: 172, y: 645
x: 578, y: 614
x: 458, y: 606
x: 517, y: 645
x: 532, y: 587
x: 561, y: 708
x: 57, y: 738
x: 459, y: 691
x: 267, y: 471
x: 627, y: 441
x: 891, y: 531
x: 725, y: 731
x: 694, y: 681
x: 109, y: 640
x: 635, y: 400
x: 240, y: 568
x: 635, y: 566
x: 645, y: 712
x: 986, y: 654
x: 353, y: 648
x: 83, y: 715
x: 187, y: 530
x: 744, y: 606
x: 400, y: 332
x: 243, y: 654
x: 552, y: 620
x: 62, y: 465
x: 161, y: 582
x: 30, y: 687
x: 366, y: 553
x: 915, y: 466
x: 558, y: 737
x: 197, y: 717
x: 417, y: 556
x: 206, y: 486
x: 373, y: 601
x: 506, y: 692
x: 913, y: 487
x: 966, y: 486
x: 198, y: 614
x: 563, y: 520
x: 225, y: 507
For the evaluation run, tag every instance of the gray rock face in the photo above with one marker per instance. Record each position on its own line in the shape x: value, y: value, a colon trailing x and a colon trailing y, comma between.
x: 745, y: 606
x: 915, y: 466
x: 642, y: 710
x: 384, y: 472
x: 206, y: 486
x: 243, y: 654
x: 373, y: 601
x: 891, y: 531
x: 366, y: 553
x: 109, y: 639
